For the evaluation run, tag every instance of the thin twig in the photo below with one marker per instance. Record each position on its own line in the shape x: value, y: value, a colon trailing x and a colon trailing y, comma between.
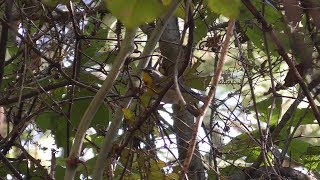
x: 285, y: 118
x: 281, y: 50
x: 117, y: 119
x: 263, y: 138
x: 7, y: 163
x: 76, y: 65
x: 34, y: 161
x: 4, y: 37
x: 189, y: 23
x: 210, y: 98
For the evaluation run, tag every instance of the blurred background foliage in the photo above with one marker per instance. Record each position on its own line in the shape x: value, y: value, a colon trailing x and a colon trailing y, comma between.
x: 56, y: 54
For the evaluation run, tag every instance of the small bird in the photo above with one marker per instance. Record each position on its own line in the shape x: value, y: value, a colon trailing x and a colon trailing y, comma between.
x: 154, y: 82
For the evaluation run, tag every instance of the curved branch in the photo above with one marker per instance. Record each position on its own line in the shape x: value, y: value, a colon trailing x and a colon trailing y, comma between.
x: 125, y: 51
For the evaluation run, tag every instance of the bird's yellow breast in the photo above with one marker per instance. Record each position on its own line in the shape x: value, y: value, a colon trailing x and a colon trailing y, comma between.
x: 147, y: 79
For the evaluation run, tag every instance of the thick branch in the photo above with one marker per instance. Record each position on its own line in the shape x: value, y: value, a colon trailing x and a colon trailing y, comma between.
x: 211, y: 96
x: 125, y: 51
x: 7, y: 101
x: 113, y: 129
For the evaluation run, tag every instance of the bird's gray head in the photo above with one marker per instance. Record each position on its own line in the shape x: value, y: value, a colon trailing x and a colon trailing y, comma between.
x: 155, y: 74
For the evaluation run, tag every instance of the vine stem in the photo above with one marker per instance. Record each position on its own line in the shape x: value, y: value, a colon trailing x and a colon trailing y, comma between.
x: 211, y: 96
x: 126, y: 49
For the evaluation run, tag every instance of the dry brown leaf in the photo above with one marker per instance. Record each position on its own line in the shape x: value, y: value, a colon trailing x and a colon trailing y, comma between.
x: 291, y: 78
x: 301, y: 49
x: 313, y: 8
x: 293, y: 11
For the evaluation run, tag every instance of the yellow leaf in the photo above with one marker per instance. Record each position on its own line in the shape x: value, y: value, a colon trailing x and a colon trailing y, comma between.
x: 172, y: 176
x: 128, y: 114
x: 145, y: 99
x: 166, y: 2
x: 228, y: 8
x: 161, y: 164
x: 156, y: 175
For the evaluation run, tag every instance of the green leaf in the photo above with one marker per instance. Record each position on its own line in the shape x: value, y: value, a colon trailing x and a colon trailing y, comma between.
x: 228, y: 8
x: 91, y: 49
x: 243, y: 146
x: 57, y: 123
x: 44, y: 120
x: 88, y: 166
x: 198, y: 82
x: 306, y: 114
x: 318, y: 167
x: 85, y: 76
x: 228, y: 170
x: 97, y: 50
x: 298, y: 148
x: 311, y: 162
x: 25, y: 168
x: 128, y: 114
x: 59, y: 172
x: 4, y: 171
x: 96, y: 138
x: 80, y: 106
x: 254, y: 31
x: 313, y: 150
x: 201, y: 29
x: 133, y: 13
x: 252, y: 154
x: 201, y: 23
x: 50, y: 3
x: 172, y: 176
x: 194, y: 80
x: 264, y: 110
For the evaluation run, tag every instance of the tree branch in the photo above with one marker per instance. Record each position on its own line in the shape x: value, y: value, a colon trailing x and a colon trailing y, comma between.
x: 10, y: 166
x: 125, y: 51
x: 211, y: 96
x: 281, y: 50
x: 4, y: 37
x: 114, y: 126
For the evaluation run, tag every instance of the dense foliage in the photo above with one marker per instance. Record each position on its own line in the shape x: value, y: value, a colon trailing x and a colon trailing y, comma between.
x: 75, y: 102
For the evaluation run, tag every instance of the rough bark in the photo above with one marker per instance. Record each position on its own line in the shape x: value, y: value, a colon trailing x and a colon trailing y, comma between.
x: 183, y: 120
x: 183, y: 123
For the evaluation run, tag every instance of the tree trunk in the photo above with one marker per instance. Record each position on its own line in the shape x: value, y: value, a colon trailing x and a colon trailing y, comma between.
x: 183, y: 120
